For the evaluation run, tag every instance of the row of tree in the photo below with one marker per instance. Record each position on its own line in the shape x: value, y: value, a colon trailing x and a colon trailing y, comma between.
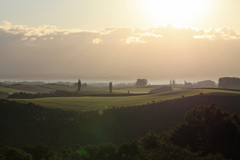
x: 206, y: 83
x: 229, y: 82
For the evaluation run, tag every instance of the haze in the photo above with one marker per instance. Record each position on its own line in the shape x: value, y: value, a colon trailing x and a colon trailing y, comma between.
x: 120, y: 38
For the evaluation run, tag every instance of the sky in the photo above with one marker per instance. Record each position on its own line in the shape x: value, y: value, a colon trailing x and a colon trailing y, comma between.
x: 155, y: 39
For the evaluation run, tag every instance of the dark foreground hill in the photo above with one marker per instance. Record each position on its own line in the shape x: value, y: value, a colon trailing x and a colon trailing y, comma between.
x: 29, y: 124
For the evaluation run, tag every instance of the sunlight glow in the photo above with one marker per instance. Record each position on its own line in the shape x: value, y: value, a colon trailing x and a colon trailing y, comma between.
x: 175, y: 12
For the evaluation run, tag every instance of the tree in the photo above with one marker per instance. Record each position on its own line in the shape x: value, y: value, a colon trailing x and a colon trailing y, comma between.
x: 173, y: 82
x: 206, y: 83
x: 187, y: 84
x: 79, y: 85
x: 39, y: 151
x: 229, y: 82
x: 10, y: 153
x: 141, y: 82
x: 110, y: 87
x: 209, y: 130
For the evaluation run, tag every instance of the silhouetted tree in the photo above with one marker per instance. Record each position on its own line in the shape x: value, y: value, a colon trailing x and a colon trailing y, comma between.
x: 141, y: 82
x: 79, y: 85
x: 110, y: 87
x: 173, y: 82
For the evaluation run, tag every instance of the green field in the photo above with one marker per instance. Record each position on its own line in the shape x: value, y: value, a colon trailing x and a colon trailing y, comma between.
x: 9, y: 90
x: 87, y: 103
x: 30, y: 88
x: 101, y: 90
x: 85, y: 90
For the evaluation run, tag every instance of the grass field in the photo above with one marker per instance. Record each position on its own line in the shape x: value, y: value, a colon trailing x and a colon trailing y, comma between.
x: 9, y: 90
x: 101, y: 90
x: 85, y: 90
x: 30, y: 88
x: 87, y: 103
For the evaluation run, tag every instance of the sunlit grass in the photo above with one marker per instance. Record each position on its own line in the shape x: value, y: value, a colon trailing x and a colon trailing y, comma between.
x: 87, y: 103
x: 101, y: 90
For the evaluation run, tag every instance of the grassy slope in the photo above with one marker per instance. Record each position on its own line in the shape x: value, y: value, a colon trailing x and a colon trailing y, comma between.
x: 131, y: 89
x: 85, y: 90
x: 9, y: 90
x: 87, y: 103
x: 60, y: 87
x: 100, y: 90
x: 31, y: 88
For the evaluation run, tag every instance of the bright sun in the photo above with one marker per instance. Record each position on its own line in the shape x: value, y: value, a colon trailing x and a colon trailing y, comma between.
x: 176, y: 12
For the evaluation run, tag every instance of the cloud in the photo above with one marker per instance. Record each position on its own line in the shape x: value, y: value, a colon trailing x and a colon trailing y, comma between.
x: 97, y: 41
x: 132, y: 39
x: 218, y: 33
x: 158, y: 52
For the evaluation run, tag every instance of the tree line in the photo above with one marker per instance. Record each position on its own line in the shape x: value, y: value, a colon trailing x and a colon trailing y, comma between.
x: 229, y: 82
x: 223, y: 82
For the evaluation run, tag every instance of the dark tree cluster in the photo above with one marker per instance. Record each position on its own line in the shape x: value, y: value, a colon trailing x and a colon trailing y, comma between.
x: 152, y: 146
x: 29, y: 123
x: 188, y: 84
x: 229, y: 82
x: 209, y: 130
x: 208, y: 134
x: 206, y: 83
x: 141, y: 82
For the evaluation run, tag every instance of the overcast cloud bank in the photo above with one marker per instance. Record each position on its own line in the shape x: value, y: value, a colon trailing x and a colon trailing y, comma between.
x: 163, y: 52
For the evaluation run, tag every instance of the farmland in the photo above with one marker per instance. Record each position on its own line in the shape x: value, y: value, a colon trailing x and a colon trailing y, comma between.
x: 98, y: 97
x: 100, y: 102
x: 94, y: 116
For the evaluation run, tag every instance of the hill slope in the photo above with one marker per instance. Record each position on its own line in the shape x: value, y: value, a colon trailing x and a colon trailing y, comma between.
x: 88, y: 103
x: 29, y: 123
